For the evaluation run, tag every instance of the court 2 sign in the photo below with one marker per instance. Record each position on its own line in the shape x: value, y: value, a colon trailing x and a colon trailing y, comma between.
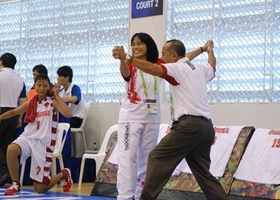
x: 146, y: 8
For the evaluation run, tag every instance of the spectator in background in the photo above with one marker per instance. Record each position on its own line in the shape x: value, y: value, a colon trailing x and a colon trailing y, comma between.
x: 11, y: 94
x: 71, y: 93
x: 37, y: 69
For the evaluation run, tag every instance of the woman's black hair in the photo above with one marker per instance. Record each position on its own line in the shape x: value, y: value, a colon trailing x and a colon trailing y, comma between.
x: 152, y: 51
x: 65, y: 71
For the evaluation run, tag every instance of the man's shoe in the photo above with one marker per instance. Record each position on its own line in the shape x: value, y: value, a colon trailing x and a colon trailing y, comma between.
x: 4, y: 178
x: 15, y: 188
x: 66, y: 181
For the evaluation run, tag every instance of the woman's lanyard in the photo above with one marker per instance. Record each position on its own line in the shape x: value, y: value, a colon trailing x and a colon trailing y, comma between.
x: 145, y: 85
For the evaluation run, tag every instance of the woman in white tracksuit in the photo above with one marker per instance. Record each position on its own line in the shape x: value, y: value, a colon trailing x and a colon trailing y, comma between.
x: 139, y: 118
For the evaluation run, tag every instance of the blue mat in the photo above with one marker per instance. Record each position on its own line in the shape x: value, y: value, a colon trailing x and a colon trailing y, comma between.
x: 30, y: 194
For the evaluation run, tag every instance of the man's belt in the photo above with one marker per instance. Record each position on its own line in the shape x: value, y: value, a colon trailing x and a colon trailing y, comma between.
x: 191, y: 116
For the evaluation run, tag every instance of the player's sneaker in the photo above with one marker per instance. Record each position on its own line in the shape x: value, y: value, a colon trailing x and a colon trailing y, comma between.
x: 15, y: 188
x: 66, y: 181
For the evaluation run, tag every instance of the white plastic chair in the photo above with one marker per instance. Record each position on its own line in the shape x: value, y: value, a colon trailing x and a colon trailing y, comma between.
x: 81, y: 128
x: 60, y: 141
x: 98, y: 156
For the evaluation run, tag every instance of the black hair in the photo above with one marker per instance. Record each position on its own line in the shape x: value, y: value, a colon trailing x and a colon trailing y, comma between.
x: 177, y: 46
x: 41, y: 69
x: 152, y: 51
x: 42, y: 77
x: 65, y: 71
x: 8, y: 60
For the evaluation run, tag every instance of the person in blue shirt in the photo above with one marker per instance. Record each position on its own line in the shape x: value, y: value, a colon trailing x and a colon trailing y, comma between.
x: 71, y: 93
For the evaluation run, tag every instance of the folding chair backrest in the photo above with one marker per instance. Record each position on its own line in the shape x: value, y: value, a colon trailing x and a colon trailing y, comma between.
x: 61, y: 137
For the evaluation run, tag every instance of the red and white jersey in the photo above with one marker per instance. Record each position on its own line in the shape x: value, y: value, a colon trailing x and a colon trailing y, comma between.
x: 225, y: 139
x: 133, y: 106
x: 45, y: 122
x: 260, y: 162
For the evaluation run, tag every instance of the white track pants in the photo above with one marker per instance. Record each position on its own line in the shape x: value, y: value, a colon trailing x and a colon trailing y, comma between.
x: 135, y: 142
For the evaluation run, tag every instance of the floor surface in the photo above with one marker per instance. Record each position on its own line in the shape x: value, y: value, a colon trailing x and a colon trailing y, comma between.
x: 30, y: 194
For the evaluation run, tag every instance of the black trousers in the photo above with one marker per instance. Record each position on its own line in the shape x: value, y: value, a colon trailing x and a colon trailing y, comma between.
x: 75, y: 122
x: 7, y: 135
x: 190, y: 138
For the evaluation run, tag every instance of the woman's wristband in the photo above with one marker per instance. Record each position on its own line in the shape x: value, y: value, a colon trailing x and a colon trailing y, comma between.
x: 201, y: 49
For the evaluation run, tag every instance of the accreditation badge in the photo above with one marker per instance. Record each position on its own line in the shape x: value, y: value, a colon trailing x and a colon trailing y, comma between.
x: 151, y: 106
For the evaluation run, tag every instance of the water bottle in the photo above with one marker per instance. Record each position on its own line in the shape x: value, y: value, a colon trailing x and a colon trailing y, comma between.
x: 94, y: 146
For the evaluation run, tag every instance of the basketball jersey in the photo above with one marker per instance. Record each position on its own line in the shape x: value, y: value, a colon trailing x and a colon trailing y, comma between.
x: 260, y: 162
x: 45, y: 121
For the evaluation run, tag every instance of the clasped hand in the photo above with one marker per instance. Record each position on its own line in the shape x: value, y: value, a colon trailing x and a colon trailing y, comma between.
x: 118, y: 53
x: 209, y: 45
